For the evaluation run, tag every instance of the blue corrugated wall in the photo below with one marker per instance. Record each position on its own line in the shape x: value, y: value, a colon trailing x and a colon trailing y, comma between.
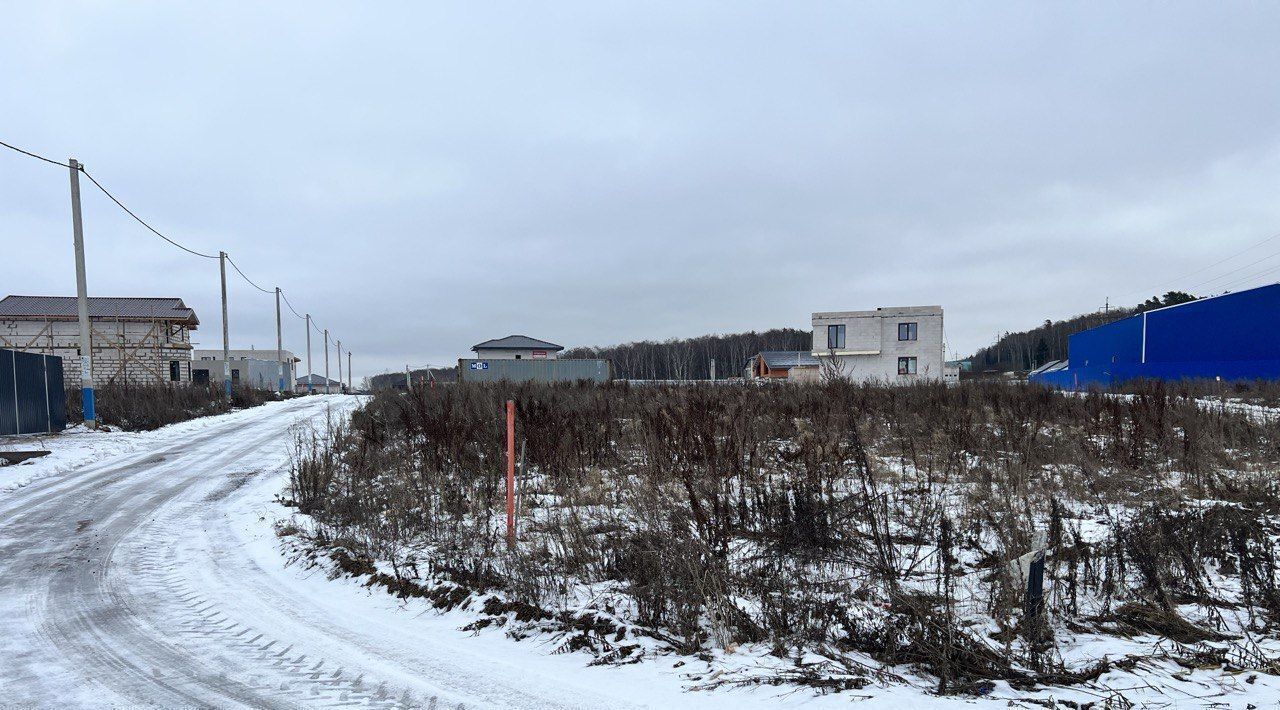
x: 31, y: 394
x: 1234, y: 337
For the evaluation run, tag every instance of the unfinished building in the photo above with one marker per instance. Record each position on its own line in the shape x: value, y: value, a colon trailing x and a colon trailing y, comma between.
x: 134, y: 340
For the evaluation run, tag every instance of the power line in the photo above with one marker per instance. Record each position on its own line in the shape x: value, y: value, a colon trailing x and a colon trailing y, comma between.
x: 290, y: 305
x: 33, y: 155
x: 246, y: 278
x: 140, y: 220
x: 1202, y: 269
x: 157, y: 232
x: 1250, y: 277
x: 1235, y: 270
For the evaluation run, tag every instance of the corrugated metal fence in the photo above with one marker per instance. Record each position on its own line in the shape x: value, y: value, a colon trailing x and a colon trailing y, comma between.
x: 534, y: 370
x: 32, y: 399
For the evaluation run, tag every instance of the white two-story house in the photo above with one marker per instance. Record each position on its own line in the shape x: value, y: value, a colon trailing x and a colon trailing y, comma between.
x: 894, y: 345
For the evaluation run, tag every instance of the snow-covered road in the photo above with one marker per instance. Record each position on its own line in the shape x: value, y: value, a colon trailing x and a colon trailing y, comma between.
x: 151, y: 579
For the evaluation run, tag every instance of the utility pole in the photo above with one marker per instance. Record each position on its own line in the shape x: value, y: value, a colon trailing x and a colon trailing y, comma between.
x: 82, y: 302
x: 713, y: 369
x: 350, y: 388
x: 279, y: 342
x: 339, y: 367
x: 226, y: 333
x: 310, y: 386
x: 408, y: 380
x: 326, y: 361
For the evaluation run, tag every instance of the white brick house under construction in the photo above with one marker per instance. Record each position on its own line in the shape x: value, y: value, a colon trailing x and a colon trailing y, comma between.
x: 893, y: 345
x: 141, y: 340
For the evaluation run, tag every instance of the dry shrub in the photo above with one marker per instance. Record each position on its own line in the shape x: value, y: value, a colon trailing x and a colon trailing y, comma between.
x: 143, y: 407
x: 837, y: 517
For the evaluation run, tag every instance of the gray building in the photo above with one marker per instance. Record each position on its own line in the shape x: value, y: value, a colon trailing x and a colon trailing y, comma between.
x: 252, y: 368
x: 516, y: 347
x: 317, y: 383
x: 893, y: 345
x: 519, y: 358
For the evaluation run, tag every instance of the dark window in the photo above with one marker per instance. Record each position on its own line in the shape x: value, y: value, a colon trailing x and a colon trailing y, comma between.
x: 907, y: 331
x: 235, y: 376
x: 200, y: 377
x: 906, y: 366
x: 835, y: 337
x: 517, y: 357
x: 175, y: 371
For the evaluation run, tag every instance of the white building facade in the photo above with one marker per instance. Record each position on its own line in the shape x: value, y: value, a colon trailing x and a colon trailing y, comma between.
x: 890, y: 345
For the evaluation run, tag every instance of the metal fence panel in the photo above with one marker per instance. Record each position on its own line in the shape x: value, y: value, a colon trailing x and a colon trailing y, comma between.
x: 32, y: 398
x: 57, y: 393
x: 8, y: 395
x: 534, y: 370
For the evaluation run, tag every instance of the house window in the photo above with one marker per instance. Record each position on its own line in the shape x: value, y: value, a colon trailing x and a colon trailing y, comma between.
x: 175, y: 371
x: 200, y: 377
x: 906, y: 366
x: 835, y: 337
x: 235, y: 376
x: 907, y: 331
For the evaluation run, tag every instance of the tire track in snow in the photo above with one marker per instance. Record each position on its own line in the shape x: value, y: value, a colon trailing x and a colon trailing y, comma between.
x: 121, y: 586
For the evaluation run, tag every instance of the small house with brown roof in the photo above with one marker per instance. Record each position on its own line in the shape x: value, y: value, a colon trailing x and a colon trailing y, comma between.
x: 136, y: 340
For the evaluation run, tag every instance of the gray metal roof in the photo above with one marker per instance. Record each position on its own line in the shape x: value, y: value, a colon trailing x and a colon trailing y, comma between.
x: 316, y: 380
x: 516, y: 342
x: 786, y: 359
x: 64, y: 308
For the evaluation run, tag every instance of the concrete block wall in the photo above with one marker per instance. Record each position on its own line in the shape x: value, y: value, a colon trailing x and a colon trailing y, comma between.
x: 872, y: 347
x: 137, y: 352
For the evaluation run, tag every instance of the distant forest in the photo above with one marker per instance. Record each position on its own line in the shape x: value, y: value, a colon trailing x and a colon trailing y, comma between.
x: 1029, y: 349
x: 690, y: 358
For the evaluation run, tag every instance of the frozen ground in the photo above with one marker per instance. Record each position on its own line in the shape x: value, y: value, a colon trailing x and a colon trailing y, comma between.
x: 141, y: 570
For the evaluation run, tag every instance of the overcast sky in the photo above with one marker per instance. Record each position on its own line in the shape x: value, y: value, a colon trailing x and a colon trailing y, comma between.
x: 422, y: 179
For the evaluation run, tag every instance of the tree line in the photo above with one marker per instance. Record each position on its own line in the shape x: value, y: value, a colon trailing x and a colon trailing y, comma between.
x: 690, y: 358
x: 1029, y: 349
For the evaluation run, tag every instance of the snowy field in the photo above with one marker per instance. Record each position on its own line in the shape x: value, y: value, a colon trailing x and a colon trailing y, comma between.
x: 144, y: 570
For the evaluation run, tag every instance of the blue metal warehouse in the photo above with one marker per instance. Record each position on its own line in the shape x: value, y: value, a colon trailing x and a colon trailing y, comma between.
x: 1234, y: 337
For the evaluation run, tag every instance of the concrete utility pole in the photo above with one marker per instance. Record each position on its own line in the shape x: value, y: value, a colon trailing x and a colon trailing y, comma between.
x: 226, y: 332
x: 350, y: 388
x: 310, y: 387
x: 326, y: 361
x: 279, y: 342
x: 408, y: 380
x: 713, y: 369
x: 339, y: 367
x: 82, y: 302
